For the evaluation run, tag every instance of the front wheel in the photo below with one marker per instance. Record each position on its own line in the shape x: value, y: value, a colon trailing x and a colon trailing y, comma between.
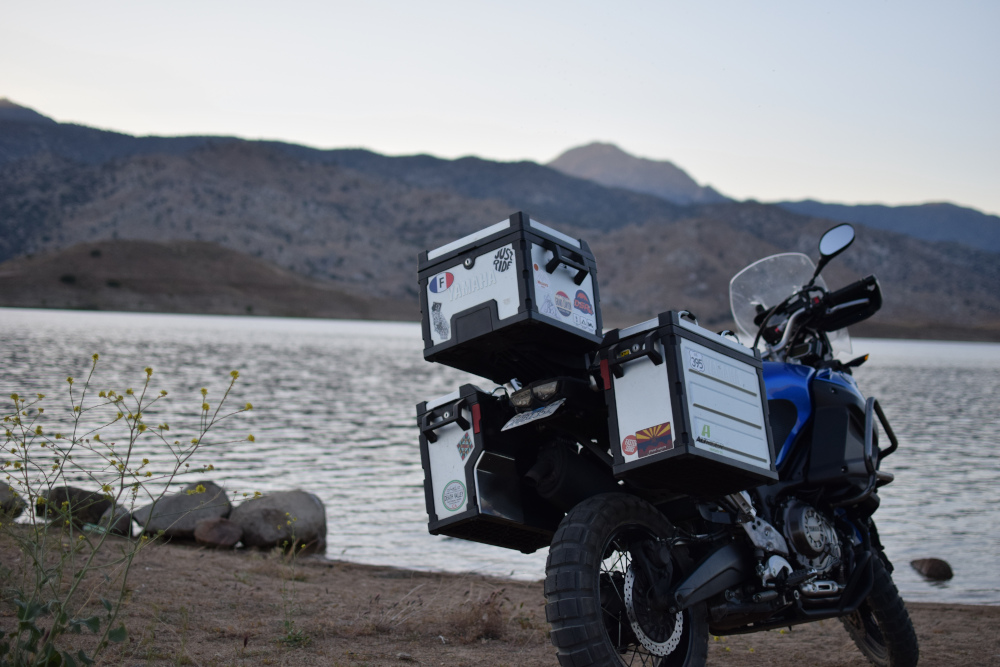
x: 598, y: 598
x: 881, y: 627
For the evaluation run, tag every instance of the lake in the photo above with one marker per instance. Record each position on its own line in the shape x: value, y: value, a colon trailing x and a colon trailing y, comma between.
x: 334, y: 413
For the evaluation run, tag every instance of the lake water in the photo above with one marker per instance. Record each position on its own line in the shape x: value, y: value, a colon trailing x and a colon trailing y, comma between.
x: 334, y: 413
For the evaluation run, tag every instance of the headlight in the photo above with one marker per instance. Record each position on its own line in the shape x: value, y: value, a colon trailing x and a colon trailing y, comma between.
x: 521, y: 399
x: 545, y: 391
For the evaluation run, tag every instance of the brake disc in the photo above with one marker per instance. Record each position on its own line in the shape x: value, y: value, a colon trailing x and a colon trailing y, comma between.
x: 657, y: 648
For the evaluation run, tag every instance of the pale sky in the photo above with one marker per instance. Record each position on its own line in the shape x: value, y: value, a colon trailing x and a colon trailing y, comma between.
x: 853, y: 102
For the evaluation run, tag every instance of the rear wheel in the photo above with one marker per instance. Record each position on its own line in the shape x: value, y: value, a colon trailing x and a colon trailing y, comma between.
x: 881, y: 627
x: 598, y: 598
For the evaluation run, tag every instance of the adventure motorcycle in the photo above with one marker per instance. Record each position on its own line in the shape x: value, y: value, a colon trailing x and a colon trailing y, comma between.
x: 642, y: 567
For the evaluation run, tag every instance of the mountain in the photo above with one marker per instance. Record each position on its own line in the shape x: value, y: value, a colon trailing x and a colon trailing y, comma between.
x: 931, y: 222
x: 11, y: 111
x: 611, y: 166
x: 344, y: 227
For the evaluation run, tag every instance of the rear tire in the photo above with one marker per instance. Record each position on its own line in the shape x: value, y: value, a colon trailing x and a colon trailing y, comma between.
x: 597, y: 602
x: 881, y: 627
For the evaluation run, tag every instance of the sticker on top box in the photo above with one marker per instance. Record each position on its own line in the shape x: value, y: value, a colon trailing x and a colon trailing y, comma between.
x: 559, y: 297
x: 491, y: 278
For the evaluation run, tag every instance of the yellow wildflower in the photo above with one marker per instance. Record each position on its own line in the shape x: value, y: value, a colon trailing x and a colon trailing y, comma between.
x: 204, y: 392
x: 40, y: 396
x: 235, y: 374
x: 70, y: 380
x: 149, y: 371
x: 163, y: 392
x: 145, y: 462
x: 102, y: 394
x: 106, y: 488
x: 204, y: 406
x: 249, y: 406
x: 251, y: 438
x: 129, y: 391
x: 38, y: 430
x: 14, y: 397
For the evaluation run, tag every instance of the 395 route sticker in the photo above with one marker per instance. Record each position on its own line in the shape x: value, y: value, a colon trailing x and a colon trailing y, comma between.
x: 453, y: 495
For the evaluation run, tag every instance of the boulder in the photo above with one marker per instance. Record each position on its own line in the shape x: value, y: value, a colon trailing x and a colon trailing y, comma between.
x: 82, y: 506
x: 286, y: 518
x: 217, y: 533
x: 933, y: 568
x: 177, y: 514
x: 11, y: 503
x: 117, y: 520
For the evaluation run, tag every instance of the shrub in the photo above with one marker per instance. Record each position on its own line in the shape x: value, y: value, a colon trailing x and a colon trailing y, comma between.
x: 66, y: 584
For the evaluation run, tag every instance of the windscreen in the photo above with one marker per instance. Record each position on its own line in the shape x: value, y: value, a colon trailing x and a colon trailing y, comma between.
x: 769, y: 281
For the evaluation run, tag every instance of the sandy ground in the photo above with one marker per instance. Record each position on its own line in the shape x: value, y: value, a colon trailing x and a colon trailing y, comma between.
x: 194, y: 606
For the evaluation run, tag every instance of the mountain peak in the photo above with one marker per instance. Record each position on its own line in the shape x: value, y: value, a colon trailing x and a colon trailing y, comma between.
x: 10, y: 110
x: 609, y: 165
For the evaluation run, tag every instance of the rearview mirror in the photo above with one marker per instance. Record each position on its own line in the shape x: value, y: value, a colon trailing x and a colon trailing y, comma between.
x: 836, y: 241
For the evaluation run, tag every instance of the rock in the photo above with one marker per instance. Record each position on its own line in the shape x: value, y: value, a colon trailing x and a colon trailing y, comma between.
x: 82, y: 506
x: 217, y: 533
x: 11, y: 503
x: 933, y: 568
x: 293, y: 517
x: 119, y: 519
x: 177, y: 514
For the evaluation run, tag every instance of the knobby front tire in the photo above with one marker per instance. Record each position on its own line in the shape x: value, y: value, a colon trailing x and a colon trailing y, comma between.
x: 597, y: 602
x: 881, y: 627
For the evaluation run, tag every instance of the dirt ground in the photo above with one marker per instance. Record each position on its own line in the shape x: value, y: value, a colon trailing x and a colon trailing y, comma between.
x: 193, y: 606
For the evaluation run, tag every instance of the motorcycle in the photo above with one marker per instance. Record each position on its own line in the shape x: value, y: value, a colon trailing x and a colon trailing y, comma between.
x: 641, y: 568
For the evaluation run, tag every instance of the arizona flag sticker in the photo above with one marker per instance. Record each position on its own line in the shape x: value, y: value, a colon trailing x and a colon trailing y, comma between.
x: 654, y: 439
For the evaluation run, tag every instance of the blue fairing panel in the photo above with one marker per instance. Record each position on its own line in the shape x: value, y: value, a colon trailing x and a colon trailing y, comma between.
x: 789, y: 382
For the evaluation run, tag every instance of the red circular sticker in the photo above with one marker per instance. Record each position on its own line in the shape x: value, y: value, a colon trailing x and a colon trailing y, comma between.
x: 630, y: 445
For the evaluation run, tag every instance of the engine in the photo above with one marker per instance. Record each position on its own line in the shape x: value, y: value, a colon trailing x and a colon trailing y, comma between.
x: 814, y: 544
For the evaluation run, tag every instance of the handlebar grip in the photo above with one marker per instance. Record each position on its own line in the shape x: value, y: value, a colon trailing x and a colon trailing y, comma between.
x: 862, y: 289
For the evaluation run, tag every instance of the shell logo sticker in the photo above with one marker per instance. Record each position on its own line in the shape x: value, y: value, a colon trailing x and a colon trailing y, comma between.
x: 582, y: 303
x: 563, y: 304
x: 630, y: 445
x: 441, y: 282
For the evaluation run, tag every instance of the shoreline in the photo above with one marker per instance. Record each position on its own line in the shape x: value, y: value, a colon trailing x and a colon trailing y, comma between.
x: 206, y: 607
x: 889, y: 332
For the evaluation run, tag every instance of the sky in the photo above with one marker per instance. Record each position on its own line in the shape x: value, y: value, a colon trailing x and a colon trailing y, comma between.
x: 851, y: 102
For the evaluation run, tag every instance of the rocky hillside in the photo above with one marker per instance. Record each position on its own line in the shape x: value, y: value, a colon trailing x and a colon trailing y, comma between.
x: 350, y: 223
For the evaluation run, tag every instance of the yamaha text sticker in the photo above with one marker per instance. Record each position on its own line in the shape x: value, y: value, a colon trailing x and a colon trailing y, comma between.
x: 489, y: 277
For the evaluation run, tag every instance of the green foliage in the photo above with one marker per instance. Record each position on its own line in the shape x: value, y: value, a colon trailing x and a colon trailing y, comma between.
x: 54, y: 592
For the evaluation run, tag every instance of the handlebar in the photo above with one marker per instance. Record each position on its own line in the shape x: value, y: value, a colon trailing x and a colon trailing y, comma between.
x: 856, y: 291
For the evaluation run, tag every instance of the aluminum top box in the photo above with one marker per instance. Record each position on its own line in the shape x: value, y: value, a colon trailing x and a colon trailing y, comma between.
x: 517, y: 299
